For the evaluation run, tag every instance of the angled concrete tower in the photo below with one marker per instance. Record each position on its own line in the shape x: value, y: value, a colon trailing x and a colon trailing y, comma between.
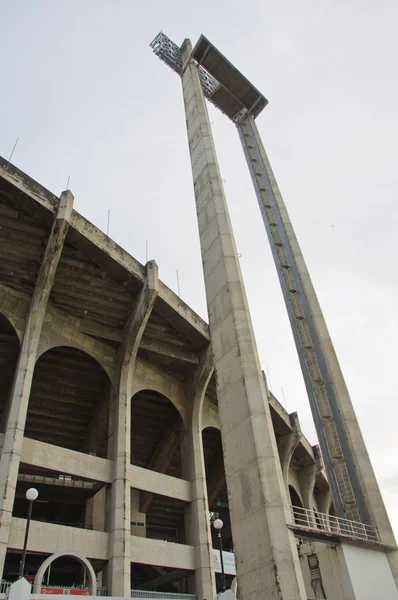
x: 266, y: 562
x: 266, y: 556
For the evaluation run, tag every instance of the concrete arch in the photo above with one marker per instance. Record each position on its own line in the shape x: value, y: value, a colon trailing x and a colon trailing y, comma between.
x: 46, y: 346
x: 12, y: 320
x: 159, y: 390
x: 65, y: 377
x: 14, y: 307
x: 50, y: 559
x: 295, y: 496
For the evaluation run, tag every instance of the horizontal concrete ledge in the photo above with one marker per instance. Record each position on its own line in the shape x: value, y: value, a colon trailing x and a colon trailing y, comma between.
x: 51, y: 538
x: 70, y: 462
x: 158, y: 483
x: 163, y: 554
x: 28, y: 186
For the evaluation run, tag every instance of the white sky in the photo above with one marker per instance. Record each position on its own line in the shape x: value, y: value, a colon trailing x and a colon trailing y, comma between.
x: 89, y: 100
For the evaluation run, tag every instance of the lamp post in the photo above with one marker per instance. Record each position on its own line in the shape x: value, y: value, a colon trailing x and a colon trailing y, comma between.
x: 218, y: 525
x: 31, y: 495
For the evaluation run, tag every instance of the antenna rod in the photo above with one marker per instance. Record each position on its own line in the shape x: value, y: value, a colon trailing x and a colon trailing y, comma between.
x: 178, y: 283
x: 12, y: 152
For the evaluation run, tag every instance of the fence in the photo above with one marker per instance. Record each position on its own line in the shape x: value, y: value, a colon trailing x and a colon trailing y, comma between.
x: 101, y: 590
x: 319, y: 522
x: 161, y: 595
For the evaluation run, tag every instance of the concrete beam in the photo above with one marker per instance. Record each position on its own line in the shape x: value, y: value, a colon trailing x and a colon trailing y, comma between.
x: 62, y: 460
x: 158, y: 483
x: 50, y: 538
x: 170, y: 350
x: 157, y: 552
x: 147, y: 343
x: 13, y: 440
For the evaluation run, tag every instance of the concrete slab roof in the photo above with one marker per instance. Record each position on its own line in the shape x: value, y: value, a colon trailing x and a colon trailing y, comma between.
x: 114, y: 260
x: 235, y: 91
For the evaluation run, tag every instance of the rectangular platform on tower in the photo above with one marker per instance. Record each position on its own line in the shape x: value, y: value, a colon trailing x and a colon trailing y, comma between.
x: 235, y: 91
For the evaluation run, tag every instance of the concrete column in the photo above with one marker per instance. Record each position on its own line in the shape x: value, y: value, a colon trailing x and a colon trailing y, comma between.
x: 13, y: 439
x: 265, y: 550
x: 367, y: 479
x: 197, y: 516
x: 286, y: 446
x: 119, y: 565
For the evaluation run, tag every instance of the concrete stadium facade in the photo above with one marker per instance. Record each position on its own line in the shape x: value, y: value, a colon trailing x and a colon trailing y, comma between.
x: 109, y: 408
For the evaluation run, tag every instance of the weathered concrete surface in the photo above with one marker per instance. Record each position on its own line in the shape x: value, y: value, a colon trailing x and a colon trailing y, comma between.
x: 267, y: 560
x: 12, y: 446
x: 63, y: 460
x: 49, y: 539
x: 197, y: 522
x: 149, y: 552
x: 119, y: 566
x: 367, y: 479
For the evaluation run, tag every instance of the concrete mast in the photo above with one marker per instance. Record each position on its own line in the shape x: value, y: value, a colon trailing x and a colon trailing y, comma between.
x: 266, y: 556
x: 355, y: 490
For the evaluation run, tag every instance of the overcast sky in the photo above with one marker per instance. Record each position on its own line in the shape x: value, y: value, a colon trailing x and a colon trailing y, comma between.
x: 88, y: 99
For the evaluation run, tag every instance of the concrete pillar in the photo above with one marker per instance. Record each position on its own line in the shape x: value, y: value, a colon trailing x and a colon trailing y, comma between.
x: 265, y: 550
x: 13, y: 439
x: 119, y: 565
x: 369, y: 486
x: 197, y: 516
x: 286, y: 446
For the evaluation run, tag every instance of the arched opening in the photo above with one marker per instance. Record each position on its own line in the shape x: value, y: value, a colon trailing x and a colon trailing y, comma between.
x: 217, y: 494
x: 68, y: 408
x: 66, y: 570
x: 156, y: 429
x: 9, y: 350
x: 156, y: 445
x: 155, y: 433
x: 298, y: 510
x: 68, y: 389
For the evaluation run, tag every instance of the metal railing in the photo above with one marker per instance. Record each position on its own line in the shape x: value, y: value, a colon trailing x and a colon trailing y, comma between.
x: 322, y: 523
x: 144, y: 594
x: 4, y: 585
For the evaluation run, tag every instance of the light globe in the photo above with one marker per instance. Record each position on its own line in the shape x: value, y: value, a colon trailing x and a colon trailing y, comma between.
x: 32, y: 494
x: 218, y: 524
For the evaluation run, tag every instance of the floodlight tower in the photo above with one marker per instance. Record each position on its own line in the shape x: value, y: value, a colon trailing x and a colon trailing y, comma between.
x: 355, y: 491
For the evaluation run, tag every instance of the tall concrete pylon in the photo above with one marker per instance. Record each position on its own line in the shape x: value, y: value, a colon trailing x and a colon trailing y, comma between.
x: 356, y: 494
x: 355, y: 490
x: 265, y: 549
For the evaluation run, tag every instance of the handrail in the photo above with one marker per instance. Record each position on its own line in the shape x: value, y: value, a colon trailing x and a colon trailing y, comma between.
x: 162, y: 595
x: 303, y: 518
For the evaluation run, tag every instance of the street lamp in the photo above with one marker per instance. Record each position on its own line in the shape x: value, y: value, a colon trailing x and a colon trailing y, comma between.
x: 218, y: 525
x: 31, y: 495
